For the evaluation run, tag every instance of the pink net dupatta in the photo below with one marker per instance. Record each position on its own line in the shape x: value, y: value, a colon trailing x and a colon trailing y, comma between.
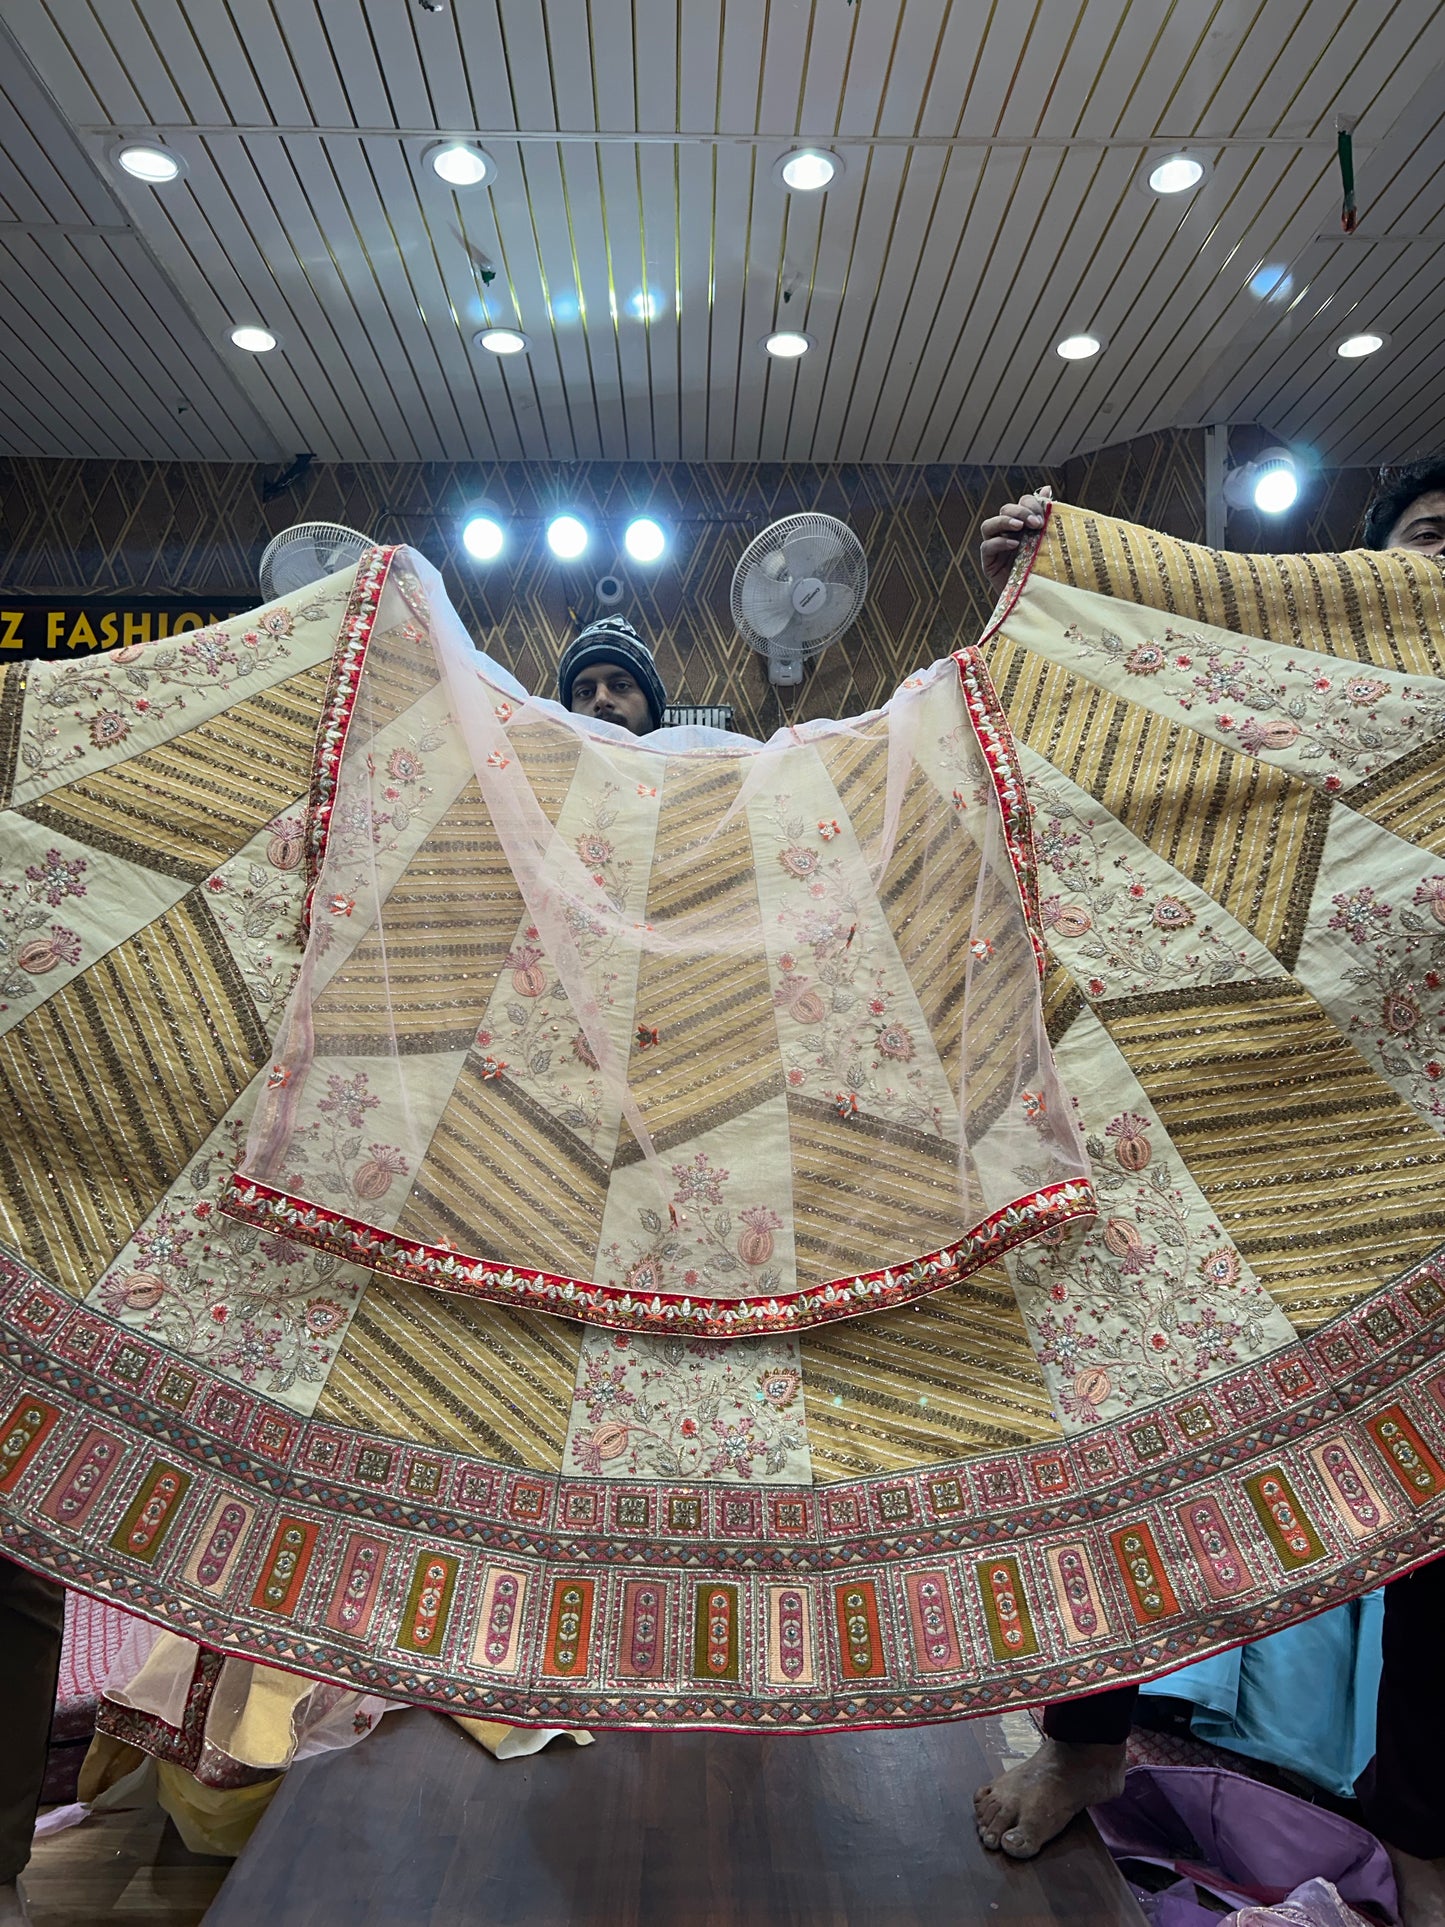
x: 685, y: 1033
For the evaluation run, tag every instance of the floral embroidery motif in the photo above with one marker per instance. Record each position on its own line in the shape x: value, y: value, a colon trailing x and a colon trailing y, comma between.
x: 33, y: 941
x: 1396, y: 977
x: 253, y: 1305
x: 1274, y: 702
x: 1108, y: 915
x: 649, y: 1407
x: 257, y: 899
x: 708, y: 1247
x: 102, y: 702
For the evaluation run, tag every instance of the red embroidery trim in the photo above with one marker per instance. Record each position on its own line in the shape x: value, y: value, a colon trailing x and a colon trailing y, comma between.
x: 444, y: 1269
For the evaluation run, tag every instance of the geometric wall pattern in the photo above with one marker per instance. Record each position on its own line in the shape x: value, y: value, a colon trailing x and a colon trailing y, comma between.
x: 197, y: 529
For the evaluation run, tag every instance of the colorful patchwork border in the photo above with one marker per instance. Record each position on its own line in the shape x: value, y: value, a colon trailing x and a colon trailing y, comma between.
x: 440, y: 1578
x: 443, y: 1268
x: 1000, y: 753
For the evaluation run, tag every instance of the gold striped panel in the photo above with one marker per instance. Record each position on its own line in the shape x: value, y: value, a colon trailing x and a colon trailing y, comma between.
x: 717, y: 1054
x: 1328, y: 1182
x: 866, y: 1194
x: 118, y: 1084
x: 852, y: 763
x: 454, y: 1373
x: 1408, y: 798
x: 1249, y: 834
x: 185, y: 806
x: 965, y: 1351
x: 431, y: 965
x: 1344, y: 605
x: 14, y: 677
x: 502, y: 1180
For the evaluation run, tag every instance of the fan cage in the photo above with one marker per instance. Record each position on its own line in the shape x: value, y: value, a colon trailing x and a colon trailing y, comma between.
x: 318, y: 536
x: 847, y: 569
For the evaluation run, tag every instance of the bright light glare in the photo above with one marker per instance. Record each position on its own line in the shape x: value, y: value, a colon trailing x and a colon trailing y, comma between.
x: 502, y: 341
x: 153, y: 165
x: 566, y: 537
x: 256, y: 341
x: 787, y: 345
x: 483, y: 538
x: 1078, y: 347
x: 1276, y: 490
x: 1176, y: 174
x: 1271, y: 283
x: 644, y: 540
x: 1358, y: 345
x: 646, y: 304
x: 808, y: 171
x: 460, y: 166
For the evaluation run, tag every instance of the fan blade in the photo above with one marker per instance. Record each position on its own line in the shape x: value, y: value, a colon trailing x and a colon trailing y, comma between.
x: 766, y: 607
x: 836, y: 612
x: 812, y: 555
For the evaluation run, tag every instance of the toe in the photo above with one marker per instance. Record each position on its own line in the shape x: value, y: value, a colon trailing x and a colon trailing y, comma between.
x: 1019, y: 1843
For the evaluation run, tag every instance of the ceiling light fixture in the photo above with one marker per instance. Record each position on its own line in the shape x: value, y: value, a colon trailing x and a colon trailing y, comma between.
x: 567, y: 537
x: 156, y: 166
x: 644, y: 540
x: 255, y: 340
x: 502, y: 341
x: 461, y: 163
x: 1175, y: 174
x: 807, y: 169
x: 1355, y: 347
x: 1078, y: 347
x: 483, y: 536
x: 1270, y: 483
x: 787, y: 344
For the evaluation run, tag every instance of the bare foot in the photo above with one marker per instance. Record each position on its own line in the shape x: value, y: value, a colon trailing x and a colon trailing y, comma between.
x: 1024, y: 1808
x: 1422, y: 1888
x: 12, y: 1906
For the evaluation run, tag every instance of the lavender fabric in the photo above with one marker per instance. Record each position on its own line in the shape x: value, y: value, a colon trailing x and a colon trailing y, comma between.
x: 1250, y: 1845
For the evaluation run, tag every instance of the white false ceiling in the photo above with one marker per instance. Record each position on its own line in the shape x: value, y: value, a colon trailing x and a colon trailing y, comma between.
x: 637, y: 233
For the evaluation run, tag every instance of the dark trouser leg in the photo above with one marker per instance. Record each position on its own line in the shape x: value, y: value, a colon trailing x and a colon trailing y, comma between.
x: 1403, y: 1794
x: 1101, y: 1719
x: 32, y: 1622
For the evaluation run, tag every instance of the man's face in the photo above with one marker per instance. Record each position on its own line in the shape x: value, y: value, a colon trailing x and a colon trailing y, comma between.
x: 611, y: 694
x: 1422, y: 527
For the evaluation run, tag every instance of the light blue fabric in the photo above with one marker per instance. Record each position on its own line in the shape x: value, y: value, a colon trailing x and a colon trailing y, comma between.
x: 1302, y: 1699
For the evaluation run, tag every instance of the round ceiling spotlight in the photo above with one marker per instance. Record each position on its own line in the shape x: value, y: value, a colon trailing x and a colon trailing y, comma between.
x: 807, y: 169
x: 644, y: 540
x: 1355, y: 347
x: 502, y: 341
x: 1078, y: 347
x: 1174, y: 174
x: 461, y: 163
x: 156, y: 166
x: 255, y: 340
x: 567, y: 537
x: 787, y: 344
x: 483, y: 536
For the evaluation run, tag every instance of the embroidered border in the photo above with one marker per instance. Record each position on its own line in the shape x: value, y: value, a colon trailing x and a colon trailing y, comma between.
x: 445, y: 1269
x: 1000, y: 752
x: 446, y: 1580
x: 336, y: 711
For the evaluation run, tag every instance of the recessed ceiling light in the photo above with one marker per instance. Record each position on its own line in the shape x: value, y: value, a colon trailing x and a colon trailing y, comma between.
x: 808, y: 169
x: 483, y: 537
x: 644, y: 540
x: 566, y: 537
x: 1078, y: 347
x: 156, y: 166
x: 787, y: 344
x: 502, y: 341
x: 256, y: 341
x: 461, y: 163
x: 1358, y: 345
x: 1176, y: 174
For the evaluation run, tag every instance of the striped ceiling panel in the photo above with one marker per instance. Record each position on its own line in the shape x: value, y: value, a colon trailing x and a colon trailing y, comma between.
x: 636, y: 231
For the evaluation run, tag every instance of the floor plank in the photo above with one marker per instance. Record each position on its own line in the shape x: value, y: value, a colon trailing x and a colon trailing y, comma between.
x: 121, y: 1867
x: 692, y: 1830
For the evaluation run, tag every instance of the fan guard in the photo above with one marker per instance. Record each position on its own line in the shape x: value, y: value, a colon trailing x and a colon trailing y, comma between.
x: 308, y: 553
x: 799, y: 585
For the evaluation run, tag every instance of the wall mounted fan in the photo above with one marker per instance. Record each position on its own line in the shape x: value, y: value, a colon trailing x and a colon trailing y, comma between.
x: 308, y: 553
x: 798, y: 586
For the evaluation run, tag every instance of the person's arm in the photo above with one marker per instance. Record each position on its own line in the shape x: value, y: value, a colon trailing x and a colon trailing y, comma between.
x: 1001, y: 534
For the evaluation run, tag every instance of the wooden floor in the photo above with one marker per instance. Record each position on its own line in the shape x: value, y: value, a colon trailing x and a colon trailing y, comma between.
x: 121, y: 1867
x: 417, y: 1827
